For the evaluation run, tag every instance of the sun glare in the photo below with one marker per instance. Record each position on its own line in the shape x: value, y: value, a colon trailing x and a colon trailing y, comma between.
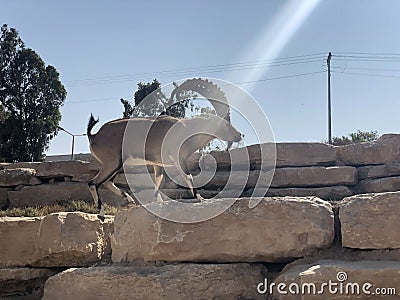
x: 276, y: 34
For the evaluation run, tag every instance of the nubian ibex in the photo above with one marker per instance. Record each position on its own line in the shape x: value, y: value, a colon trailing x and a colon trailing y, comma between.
x: 144, y: 139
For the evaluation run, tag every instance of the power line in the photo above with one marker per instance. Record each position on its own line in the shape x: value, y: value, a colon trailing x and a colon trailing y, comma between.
x: 368, y: 69
x: 209, y: 69
x: 367, y: 74
x: 368, y: 57
x: 238, y: 83
x: 281, y: 77
x: 187, y: 73
x: 367, y: 53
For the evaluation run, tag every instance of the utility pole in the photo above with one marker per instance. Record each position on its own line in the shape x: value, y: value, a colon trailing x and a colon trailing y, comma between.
x: 328, y: 61
x: 73, y: 139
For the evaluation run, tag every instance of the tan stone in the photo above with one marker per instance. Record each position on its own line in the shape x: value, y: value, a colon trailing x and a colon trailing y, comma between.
x: 277, y: 229
x: 282, y: 177
x: 379, y: 171
x: 59, y: 193
x: 385, y: 149
x: 286, y: 177
x: 186, y: 194
x: 56, y: 240
x: 174, y: 282
x: 304, y: 154
x: 15, y: 177
x: 23, y: 283
x: 378, y: 185
x: 371, y: 221
x: 78, y: 170
x: 326, y: 193
x: 287, y: 155
x: 349, y: 280
x: 314, y: 176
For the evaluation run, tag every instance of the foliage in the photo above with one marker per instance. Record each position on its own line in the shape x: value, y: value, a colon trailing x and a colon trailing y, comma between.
x: 157, y: 102
x: 30, y: 98
x: 356, y: 137
x: 38, y: 211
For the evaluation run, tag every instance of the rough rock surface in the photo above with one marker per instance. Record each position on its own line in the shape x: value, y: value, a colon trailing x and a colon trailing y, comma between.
x: 174, y: 282
x: 23, y: 283
x: 371, y: 221
x: 385, y: 149
x: 378, y: 185
x: 282, y: 177
x: 269, y: 232
x: 56, y: 240
x: 314, y: 176
x: 305, y: 154
x: 287, y: 155
x: 379, y: 171
x: 17, y: 176
x: 326, y: 193
x: 59, y: 192
x: 77, y: 170
x: 354, y: 276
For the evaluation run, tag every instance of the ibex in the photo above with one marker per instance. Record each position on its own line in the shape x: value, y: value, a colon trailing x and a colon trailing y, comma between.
x: 146, y: 142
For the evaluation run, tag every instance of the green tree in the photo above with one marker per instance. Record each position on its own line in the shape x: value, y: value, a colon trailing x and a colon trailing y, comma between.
x: 31, y: 95
x: 157, y: 105
x: 356, y: 137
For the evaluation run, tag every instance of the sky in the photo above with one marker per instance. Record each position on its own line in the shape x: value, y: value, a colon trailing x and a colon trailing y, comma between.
x: 274, y: 50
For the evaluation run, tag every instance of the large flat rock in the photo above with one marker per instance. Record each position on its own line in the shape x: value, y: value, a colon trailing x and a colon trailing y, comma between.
x: 77, y: 170
x: 174, y: 282
x: 314, y: 176
x: 281, y: 178
x: 378, y: 185
x: 17, y: 176
x: 325, y: 193
x: 59, y: 193
x: 23, y: 283
x: 379, y: 171
x: 287, y: 155
x: 338, y: 279
x: 385, y: 149
x: 371, y: 221
x: 276, y: 230
x: 56, y: 240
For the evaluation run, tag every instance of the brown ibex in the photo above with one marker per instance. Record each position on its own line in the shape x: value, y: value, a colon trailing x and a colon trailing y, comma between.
x: 144, y: 139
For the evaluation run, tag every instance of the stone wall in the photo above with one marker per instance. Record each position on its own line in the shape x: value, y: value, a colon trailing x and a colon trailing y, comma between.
x: 302, y: 169
x: 332, y: 214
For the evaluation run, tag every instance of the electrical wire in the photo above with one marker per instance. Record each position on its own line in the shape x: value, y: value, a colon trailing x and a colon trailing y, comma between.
x: 238, y: 83
x: 367, y: 74
x: 302, y: 59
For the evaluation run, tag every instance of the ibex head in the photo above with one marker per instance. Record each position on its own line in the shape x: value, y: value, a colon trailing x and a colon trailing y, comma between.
x: 228, y: 133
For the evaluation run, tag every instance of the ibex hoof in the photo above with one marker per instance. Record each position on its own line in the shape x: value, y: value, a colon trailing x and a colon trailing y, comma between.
x: 101, y: 214
x: 158, y: 199
x: 199, y: 197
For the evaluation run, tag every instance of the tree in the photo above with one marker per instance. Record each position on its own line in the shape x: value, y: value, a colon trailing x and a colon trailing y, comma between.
x: 158, y: 104
x: 30, y: 96
x: 356, y: 137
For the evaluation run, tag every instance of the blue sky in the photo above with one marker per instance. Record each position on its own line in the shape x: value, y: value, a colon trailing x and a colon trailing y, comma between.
x: 141, y: 39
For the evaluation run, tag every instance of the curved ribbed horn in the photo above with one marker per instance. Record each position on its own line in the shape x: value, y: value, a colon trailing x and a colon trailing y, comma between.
x: 208, y: 90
